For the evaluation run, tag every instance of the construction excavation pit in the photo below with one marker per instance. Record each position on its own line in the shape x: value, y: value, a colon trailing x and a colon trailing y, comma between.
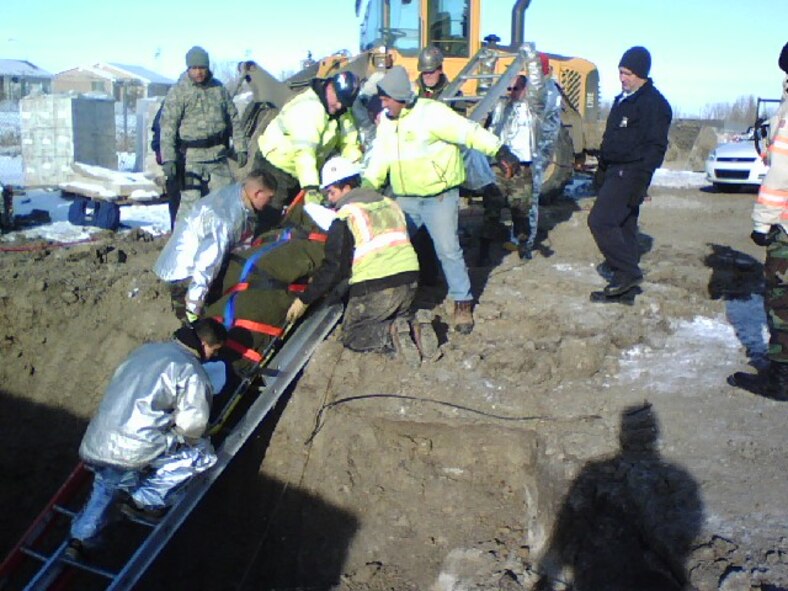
x: 561, y: 445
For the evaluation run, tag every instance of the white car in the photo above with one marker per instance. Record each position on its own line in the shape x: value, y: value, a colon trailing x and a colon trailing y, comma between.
x: 733, y: 165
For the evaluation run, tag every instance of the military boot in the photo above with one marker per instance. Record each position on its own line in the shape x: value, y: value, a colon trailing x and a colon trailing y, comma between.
x: 771, y: 382
x: 463, y: 317
x: 404, y: 345
x: 425, y: 337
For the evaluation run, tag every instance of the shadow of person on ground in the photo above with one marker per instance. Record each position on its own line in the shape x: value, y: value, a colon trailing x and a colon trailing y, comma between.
x: 628, y: 521
x: 737, y: 279
x: 258, y: 532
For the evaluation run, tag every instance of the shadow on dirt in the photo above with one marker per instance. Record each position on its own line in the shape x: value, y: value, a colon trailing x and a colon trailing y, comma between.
x: 257, y: 532
x: 628, y: 521
x: 250, y: 531
x: 737, y: 279
x: 731, y: 189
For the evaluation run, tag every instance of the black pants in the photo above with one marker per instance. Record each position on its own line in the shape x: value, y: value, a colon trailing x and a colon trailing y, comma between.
x: 614, y: 220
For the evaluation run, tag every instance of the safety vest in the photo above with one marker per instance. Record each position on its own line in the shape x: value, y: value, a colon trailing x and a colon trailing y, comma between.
x: 301, y: 137
x: 382, y: 247
x: 419, y: 151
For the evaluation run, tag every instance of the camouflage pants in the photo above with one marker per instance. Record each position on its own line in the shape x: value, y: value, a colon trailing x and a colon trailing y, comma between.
x: 199, y: 179
x: 776, y: 298
x: 519, y: 192
x: 368, y: 317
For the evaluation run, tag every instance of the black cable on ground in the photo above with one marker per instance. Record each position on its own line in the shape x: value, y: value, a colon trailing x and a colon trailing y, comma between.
x: 319, y: 422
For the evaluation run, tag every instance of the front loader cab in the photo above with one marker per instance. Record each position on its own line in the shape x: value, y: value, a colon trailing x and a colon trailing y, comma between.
x: 404, y: 27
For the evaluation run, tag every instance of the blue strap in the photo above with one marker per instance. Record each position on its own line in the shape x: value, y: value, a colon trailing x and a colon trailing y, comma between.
x: 229, y: 307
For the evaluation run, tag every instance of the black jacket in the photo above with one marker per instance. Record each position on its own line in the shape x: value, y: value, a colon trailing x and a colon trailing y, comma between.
x: 337, y: 265
x: 636, y: 134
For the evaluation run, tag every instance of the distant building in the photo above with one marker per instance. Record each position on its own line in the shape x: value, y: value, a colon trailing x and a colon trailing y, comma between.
x: 119, y: 81
x: 20, y: 78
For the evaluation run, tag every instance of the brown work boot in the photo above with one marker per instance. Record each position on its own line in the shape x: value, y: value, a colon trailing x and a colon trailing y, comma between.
x: 463, y: 316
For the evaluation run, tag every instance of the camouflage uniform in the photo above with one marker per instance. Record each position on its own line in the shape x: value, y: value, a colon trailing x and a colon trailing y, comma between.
x: 197, y: 122
x: 770, y: 216
x: 534, y: 123
x: 278, y: 263
x: 514, y: 123
x: 776, y: 297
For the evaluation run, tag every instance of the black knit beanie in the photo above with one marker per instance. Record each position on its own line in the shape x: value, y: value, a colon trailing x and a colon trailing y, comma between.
x: 637, y: 60
x: 186, y: 335
x: 784, y: 59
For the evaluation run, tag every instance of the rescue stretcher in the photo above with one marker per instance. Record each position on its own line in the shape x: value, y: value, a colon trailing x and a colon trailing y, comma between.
x: 38, y: 562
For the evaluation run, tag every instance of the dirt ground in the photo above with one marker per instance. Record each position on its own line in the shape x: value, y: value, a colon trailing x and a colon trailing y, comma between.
x: 562, y: 444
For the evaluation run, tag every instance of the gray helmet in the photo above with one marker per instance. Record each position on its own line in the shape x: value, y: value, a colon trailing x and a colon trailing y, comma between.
x: 430, y: 59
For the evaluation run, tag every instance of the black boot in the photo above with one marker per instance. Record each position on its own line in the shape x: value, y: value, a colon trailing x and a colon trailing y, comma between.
x: 771, y: 382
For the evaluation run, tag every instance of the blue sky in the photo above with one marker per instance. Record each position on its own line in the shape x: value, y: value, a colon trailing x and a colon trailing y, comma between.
x: 704, y: 51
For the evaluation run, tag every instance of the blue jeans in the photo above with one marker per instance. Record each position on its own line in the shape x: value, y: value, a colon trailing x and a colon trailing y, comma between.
x: 158, y: 486
x: 440, y: 215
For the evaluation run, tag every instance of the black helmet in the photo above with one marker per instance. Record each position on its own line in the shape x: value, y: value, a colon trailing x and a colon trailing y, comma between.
x: 430, y: 59
x: 346, y: 86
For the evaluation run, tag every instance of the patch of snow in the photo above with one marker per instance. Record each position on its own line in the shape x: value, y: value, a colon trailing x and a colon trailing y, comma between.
x: 698, y: 349
x: 680, y: 179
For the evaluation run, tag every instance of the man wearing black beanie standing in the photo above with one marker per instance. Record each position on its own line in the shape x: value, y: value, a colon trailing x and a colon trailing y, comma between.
x: 633, y: 147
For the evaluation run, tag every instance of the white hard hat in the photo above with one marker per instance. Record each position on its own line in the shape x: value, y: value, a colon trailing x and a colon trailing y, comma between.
x: 337, y: 169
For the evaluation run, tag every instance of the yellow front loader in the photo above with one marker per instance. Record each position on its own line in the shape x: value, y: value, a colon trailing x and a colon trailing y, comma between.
x: 393, y: 32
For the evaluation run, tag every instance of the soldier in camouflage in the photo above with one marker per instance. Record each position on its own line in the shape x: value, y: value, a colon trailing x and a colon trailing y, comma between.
x: 770, y: 229
x: 197, y: 122
x: 514, y: 122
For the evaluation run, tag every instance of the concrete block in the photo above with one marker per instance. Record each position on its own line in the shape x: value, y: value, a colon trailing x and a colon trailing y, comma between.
x: 58, y: 130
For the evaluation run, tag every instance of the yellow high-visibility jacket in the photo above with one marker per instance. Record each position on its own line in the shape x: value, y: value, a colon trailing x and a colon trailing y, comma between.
x: 419, y: 151
x: 382, y: 246
x: 302, y: 136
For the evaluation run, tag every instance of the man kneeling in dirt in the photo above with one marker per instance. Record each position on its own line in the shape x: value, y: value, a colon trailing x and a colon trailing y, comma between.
x: 152, y: 417
x: 367, y: 246
x: 223, y: 222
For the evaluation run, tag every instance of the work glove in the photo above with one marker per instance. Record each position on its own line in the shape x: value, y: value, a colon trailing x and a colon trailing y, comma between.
x: 312, y: 195
x: 295, y: 311
x: 241, y: 158
x: 169, y: 169
x: 508, y: 162
x: 761, y: 238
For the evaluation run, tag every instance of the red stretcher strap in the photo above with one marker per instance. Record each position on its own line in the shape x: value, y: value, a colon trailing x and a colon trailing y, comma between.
x: 246, y: 352
x: 268, y: 329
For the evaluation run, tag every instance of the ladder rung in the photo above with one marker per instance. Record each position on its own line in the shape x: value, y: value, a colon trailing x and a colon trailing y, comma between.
x: 64, y: 511
x: 462, y: 99
x: 34, y: 554
x: 480, y: 77
x: 96, y: 570
x: 142, y: 521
